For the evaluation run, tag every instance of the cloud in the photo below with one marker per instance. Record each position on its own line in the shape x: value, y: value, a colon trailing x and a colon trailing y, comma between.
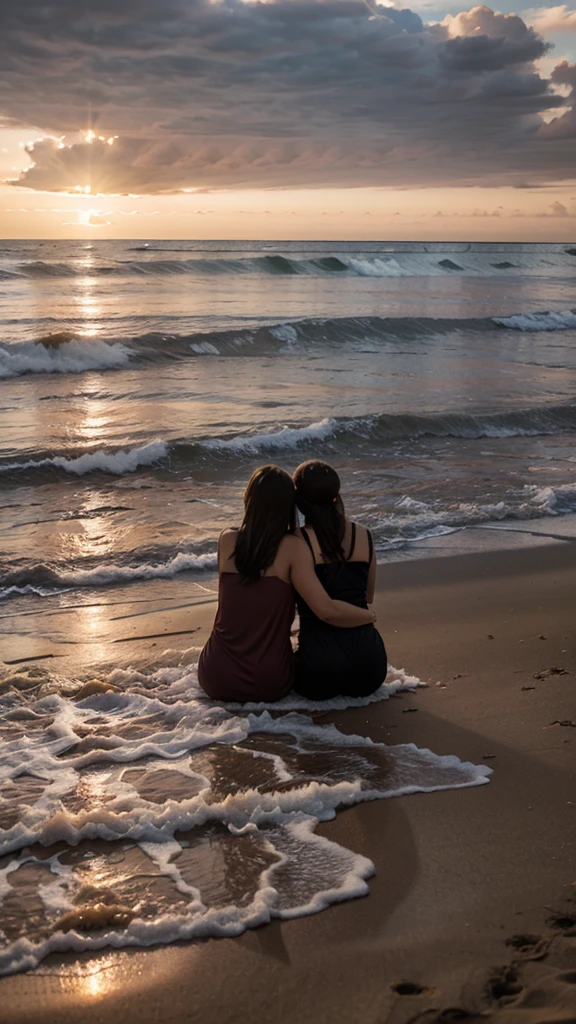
x: 564, y: 126
x: 555, y: 209
x: 481, y: 40
x: 286, y: 93
x: 552, y: 19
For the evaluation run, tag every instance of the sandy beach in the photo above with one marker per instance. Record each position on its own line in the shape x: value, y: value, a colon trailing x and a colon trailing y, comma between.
x: 472, y: 908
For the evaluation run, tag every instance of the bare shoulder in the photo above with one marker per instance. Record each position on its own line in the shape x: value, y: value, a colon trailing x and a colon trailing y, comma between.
x: 362, y: 551
x: 293, y: 546
x: 227, y: 540
x: 290, y: 542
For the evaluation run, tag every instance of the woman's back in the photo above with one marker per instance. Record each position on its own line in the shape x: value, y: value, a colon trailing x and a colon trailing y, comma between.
x: 249, y: 651
x: 345, y: 580
x: 332, y: 661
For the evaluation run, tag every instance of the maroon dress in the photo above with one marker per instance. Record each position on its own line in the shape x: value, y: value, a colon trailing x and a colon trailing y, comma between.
x: 248, y: 656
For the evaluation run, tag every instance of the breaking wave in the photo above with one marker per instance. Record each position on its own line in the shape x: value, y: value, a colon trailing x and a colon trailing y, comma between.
x: 409, y: 522
x: 162, y: 262
x: 43, y: 580
x: 117, y: 463
x: 279, y: 440
x: 365, y: 433
x: 64, y: 352
x: 61, y: 353
x: 368, y: 430
x: 561, y: 321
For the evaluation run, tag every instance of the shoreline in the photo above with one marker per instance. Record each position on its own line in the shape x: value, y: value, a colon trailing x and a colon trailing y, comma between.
x: 458, y: 873
x: 488, y: 536
x: 151, y: 609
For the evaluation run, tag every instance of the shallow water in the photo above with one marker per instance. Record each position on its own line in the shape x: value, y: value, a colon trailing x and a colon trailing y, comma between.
x: 147, y: 814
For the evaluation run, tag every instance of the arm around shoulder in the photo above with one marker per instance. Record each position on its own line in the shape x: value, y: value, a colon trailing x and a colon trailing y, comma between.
x: 306, y: 582
x: 371, y: 586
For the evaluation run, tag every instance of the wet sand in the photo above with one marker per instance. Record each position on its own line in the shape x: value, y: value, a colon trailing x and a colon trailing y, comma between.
x: 460, y: 875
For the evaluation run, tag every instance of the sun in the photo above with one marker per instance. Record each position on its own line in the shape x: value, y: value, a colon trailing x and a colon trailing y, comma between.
x: 92, y: 219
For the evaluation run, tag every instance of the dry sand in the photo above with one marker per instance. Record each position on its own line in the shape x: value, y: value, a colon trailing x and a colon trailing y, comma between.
x: 460, y: 875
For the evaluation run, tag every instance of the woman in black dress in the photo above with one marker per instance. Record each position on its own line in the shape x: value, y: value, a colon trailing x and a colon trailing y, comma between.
x: 331, y: 661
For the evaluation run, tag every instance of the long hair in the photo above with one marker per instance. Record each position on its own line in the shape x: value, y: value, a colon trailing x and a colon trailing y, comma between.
x: 269, y: 514
x: 318, y: 498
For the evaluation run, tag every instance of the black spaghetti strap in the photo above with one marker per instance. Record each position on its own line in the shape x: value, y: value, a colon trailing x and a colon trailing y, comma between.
x: 309, y: 542
x: 352, y: 542
x: 370, y: 547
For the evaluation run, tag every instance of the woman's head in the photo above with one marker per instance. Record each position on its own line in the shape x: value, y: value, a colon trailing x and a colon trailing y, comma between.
x: 269, y: 514
x: 318, y: 498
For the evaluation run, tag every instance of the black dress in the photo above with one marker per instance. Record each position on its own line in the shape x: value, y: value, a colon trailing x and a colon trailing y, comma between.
x: 330, y: 660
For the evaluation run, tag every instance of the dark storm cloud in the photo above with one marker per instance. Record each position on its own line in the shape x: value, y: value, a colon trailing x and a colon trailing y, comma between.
x: 277, y: 94
x: 480, y: 53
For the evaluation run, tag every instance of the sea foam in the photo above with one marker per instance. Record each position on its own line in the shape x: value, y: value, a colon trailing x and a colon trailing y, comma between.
x: 68, y: 357
x: 205, y: 814
x: 557, y: 500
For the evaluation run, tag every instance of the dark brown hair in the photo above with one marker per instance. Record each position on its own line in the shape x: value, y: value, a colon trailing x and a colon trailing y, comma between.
x: 318, y: 498
x: 269, y: 514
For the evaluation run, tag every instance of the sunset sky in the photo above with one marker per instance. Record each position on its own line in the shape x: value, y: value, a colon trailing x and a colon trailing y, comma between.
x: 286, y: 119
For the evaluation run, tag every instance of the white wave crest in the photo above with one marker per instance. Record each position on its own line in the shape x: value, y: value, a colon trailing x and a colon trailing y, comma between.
x: 107, y: 575
x: 553, y: 321
x: 411, y: 504
x: 418, y: 521
x: 116, y: 463
x: 287, y: 437
x: 204, y: 348
x: 69, y: 357
x: 284, y: 332
x: 103, y: 575
x: 375, y: 267
x: 29, y: 588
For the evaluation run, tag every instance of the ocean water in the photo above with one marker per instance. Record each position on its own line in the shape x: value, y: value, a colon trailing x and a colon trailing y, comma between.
x: 142, y: 383
x: 140, y: 386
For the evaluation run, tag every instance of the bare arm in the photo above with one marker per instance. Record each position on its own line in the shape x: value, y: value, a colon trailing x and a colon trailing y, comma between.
x: 226, y: 544
x: 306, y: 582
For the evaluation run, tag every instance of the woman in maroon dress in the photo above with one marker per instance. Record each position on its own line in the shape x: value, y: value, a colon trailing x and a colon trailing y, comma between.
x: 248, y: 656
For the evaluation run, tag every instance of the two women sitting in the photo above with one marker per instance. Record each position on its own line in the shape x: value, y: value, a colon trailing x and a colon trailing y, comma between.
x: 268, y: 566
